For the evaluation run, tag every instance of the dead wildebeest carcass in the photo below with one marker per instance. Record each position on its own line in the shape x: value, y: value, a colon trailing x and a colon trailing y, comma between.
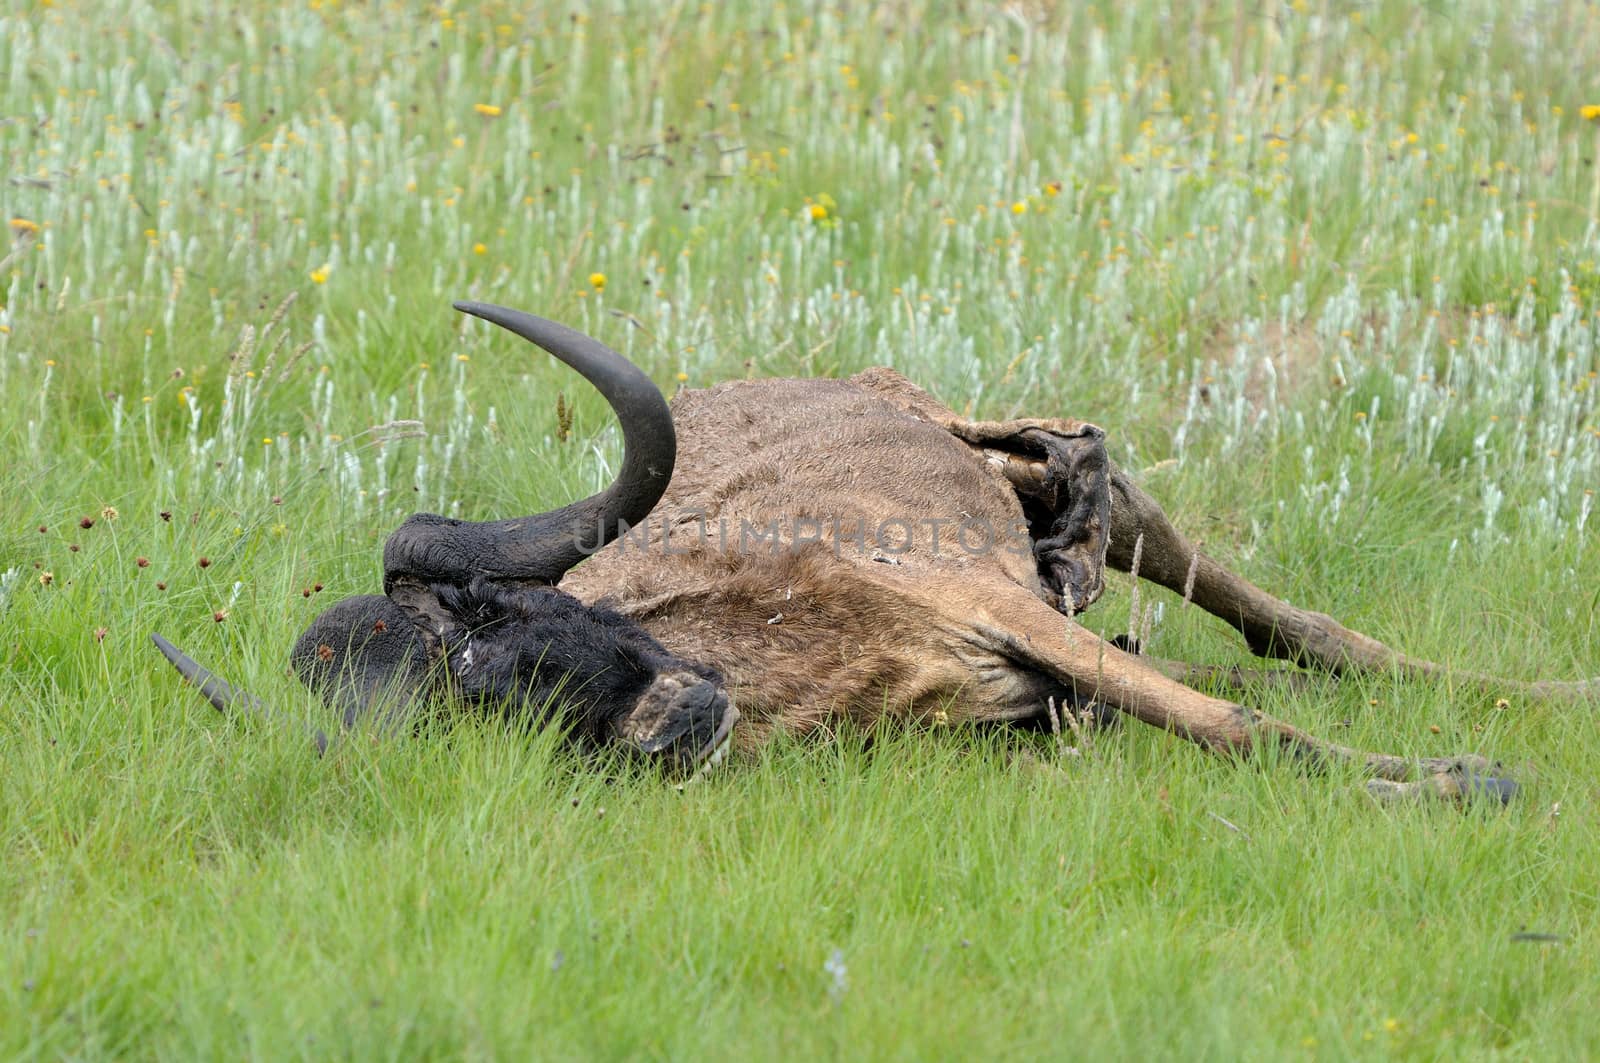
x: 792, y: 553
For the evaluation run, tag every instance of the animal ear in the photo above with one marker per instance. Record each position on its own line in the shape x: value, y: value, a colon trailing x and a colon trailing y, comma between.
x: 435, y: 623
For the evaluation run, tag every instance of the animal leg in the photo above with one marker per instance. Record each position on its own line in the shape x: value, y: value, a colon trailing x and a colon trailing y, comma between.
x: 1034, y: 635
x: 1271, y: 626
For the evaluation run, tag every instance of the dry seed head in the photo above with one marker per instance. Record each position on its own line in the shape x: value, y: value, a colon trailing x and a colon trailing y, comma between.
x: 244, y: 354
x: 277, y: 314
x: 563, y: 418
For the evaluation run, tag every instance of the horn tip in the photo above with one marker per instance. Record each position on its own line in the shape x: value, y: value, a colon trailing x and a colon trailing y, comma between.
x: 168, y: 650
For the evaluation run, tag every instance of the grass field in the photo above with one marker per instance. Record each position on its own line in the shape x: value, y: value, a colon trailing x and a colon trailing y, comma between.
x: 1329, y: 272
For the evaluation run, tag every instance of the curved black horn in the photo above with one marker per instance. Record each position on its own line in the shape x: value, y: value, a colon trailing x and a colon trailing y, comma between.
x: 431, y: 549
x: 223, y: 697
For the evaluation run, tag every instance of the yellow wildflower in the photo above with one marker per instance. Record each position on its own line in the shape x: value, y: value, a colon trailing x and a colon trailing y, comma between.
x: 488, y: 110
x: 320, y: 276
x: 818, y: 212
x: 479, y: 249
x: 597, y: 281
x: 1589, y: 111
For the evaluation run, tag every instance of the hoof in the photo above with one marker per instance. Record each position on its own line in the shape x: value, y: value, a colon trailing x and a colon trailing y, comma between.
x: 1493, y: 787
x: 1465, y: 780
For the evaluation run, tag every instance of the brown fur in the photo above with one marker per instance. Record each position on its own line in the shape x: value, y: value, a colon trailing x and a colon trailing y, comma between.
x: 805, y: 635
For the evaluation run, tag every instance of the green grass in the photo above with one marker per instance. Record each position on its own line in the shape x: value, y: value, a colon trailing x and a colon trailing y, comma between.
x: 1326, y: 271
